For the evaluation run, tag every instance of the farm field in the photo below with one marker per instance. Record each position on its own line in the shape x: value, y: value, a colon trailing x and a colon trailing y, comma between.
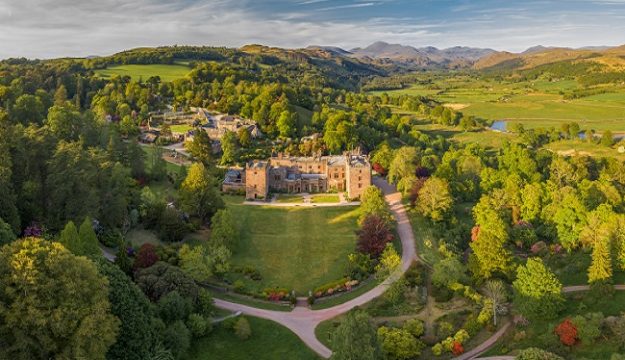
x: 165, y: 72
x: 295, y: 248
x: 538, y: 103
x: 268, y: 341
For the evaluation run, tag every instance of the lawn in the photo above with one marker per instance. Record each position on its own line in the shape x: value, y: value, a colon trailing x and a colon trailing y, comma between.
x: 138, y: 237
x: 171, y: 167
x: 181, y: 128
x: 269, y: 341
x: 165, y: 72
x: 325, y: 198
x: 288, y: 198
x: 297, y: 248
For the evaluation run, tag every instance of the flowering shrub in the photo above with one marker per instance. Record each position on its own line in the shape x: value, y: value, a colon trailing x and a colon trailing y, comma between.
x: 276, y: 294
x: 344, y: 284
x: 475, y: 233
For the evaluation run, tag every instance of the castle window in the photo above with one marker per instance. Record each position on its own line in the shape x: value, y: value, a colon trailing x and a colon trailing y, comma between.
x: 359, y: 178
x: 359, y: 186
x: 255, y: 173
x: 360, y: 171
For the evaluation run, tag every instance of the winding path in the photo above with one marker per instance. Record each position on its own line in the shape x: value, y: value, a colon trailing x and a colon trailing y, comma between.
x: 303, y: 321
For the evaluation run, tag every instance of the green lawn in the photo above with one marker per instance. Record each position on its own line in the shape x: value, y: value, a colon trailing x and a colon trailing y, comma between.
x: 288, y: 198
x: 269, y: 341
x: 181, y: 128
x: 577, y: 147
x: 325, y: 198
x: 166, y: 72
x: 297, y: 248
x: 138, y: 237
x: 171, y: 167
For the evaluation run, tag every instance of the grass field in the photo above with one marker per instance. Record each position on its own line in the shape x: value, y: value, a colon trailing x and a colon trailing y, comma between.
x: 297, y: 248
x: 581, y: 148
x: 325, y: 198
x: 268, y: 341
x: 289, y: 198
x: 536, y: 103
x: 144, y: 72
x: 182, y: 128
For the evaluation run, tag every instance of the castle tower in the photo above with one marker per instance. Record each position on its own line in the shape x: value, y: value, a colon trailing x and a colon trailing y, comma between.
x: 257, y: 180
x: 358, y: 175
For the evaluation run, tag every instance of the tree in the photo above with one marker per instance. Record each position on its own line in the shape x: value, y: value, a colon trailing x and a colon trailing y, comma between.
x: 448, y: 271
x: 177, y: 338
x: 404, y: 164
x: 6, y: 233
x: 198, y: 325
x: 434, y: 199
x: 89, y: 244
x: 355, y: 338
x: 373, y: 236
x: 224, y: 230
x: 157, y: 165
x: 495, y: 291
x: 173, y: 307
x: 201, y: 147
x: 607, y: 138
x: 74, y: 323
x: 488, y: 244
x: 536, y: 354
x: 171, y: 225
x: 399, y: 343
x: 136, y: 337
x: 229, y: 148
x: 538, y: 292
x: 201, y: 262
x: 162, y: 278
x: 567, y: 332
x: 64, y: 122
x: 198, y: 193
x: 389, y: 261
x: 146, y: 256
x: 70, y: 239
x: 600, y: 269
x: 287, y: 124
x: 588, y: 327
x: 242, y: 328
x: 372, y: 203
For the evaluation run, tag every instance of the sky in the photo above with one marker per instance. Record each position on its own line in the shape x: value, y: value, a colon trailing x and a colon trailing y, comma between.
x: 59, y: 28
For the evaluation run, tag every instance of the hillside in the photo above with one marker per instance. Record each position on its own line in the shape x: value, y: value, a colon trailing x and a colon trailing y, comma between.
x: 612, y: 58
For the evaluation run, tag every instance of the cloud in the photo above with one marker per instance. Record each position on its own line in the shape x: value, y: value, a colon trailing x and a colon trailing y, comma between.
x: 55, y: 28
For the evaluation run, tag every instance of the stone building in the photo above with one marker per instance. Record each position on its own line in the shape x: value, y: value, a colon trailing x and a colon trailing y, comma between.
x: 344, y: 173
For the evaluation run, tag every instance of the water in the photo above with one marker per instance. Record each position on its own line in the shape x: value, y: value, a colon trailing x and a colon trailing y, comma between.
x: 499, y: 125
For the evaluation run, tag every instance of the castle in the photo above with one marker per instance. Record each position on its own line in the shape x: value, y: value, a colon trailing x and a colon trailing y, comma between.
x: 344, y: 173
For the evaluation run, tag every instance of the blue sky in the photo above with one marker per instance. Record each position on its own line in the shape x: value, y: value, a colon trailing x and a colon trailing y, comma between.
x: 53, y: 28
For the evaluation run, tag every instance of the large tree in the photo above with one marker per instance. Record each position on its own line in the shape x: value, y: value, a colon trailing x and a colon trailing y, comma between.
x: 224, y: 230
x: 434, y: 200
x: 198, y: 193
x: 355, y: 338
x: 137, y: 337
x: 538, y: 292
x: 488, y: 244
x: 373, y: 236
x: 52, y: 304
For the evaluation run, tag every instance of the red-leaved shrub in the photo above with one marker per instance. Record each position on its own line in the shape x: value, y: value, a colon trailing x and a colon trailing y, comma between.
x: 146, y: 256
x: 457, y: 348
x: 373, y: 236
x: 567, y: 332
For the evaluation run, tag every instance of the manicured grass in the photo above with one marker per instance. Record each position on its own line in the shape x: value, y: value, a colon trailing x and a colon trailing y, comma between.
x: 171, y: 167
x: 269, y: 341
x: 181, y: 128
x: 325, y: 198
x: 296, y: 248
x: 166, y: 72
x: 287, y: 198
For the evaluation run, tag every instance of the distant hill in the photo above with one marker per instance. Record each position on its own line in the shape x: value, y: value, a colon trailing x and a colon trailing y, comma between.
x: 422, y: 57
x: 610, y: 58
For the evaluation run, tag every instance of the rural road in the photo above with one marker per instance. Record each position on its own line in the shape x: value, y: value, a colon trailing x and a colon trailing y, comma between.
x: 303, y: 321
